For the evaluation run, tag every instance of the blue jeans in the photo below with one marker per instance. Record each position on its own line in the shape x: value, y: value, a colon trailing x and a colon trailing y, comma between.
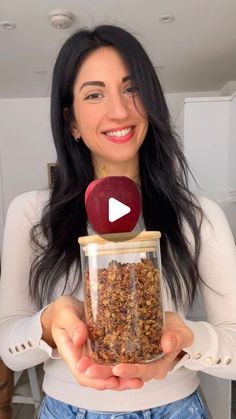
x: 190, y: 407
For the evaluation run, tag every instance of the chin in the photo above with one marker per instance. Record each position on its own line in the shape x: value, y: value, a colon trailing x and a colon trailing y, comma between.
x: 121, y: 156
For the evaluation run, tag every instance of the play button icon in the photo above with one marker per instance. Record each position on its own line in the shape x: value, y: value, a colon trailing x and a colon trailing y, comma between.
x: 117, y: 210
x: 113, y: 204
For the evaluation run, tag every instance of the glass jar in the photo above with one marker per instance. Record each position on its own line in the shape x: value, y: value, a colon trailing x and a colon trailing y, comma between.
x: 122, y: 282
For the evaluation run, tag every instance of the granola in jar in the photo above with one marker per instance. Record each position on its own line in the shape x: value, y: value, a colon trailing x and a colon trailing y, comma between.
x: 124, y: 312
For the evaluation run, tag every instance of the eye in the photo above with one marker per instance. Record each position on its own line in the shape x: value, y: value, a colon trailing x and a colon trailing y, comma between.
x: 132, y: 90
x: 94, y: 96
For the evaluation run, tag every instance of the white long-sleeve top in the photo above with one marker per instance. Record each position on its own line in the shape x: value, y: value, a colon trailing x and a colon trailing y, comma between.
x: 213, y: 350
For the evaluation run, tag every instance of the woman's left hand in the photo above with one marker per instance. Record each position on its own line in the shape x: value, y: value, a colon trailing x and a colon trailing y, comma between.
x: 176, y: 336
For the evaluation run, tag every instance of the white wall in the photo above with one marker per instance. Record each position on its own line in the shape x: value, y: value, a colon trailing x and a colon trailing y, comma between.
x: 26, y: 146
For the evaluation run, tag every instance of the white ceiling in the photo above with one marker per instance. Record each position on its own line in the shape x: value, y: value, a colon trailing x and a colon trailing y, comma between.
x: 197, y: 51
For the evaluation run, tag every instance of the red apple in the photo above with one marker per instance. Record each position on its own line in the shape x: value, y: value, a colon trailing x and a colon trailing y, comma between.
x: 97, y: 197
x: 90, y: 188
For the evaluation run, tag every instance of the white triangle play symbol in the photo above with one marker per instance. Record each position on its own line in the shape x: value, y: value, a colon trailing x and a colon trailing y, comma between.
x: 116, y: 209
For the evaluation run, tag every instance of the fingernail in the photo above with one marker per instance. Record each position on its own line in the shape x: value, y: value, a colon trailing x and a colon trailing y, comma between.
x: 116, y: 371
x: 75, y: 336
x: 78, y: 367
x: 87, y: 373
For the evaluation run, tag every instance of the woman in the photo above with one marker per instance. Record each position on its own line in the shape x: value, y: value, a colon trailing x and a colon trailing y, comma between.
x: 109, y: 116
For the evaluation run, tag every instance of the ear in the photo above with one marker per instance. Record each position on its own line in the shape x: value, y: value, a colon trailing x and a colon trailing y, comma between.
x: 74, y: 130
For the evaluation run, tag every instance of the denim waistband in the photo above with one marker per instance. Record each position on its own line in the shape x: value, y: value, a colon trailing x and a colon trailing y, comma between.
x: 190, y: 407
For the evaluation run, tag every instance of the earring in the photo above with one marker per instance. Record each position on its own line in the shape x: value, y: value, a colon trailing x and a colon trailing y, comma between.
x: 76, y: 139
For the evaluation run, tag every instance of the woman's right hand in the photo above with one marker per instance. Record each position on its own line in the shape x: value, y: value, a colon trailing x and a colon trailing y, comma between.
x: 63, y: 329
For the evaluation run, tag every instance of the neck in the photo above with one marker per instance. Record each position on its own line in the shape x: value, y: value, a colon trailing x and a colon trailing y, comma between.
x: 123, y: 169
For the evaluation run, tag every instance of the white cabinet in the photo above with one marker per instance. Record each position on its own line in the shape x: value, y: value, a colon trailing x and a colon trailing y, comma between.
x: 206, y: 133
x: 232, y: 149
x: 1, y: 206
x: 208, y: 129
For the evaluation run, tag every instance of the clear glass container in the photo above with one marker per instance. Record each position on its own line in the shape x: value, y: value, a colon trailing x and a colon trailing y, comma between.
x: 122, y: 282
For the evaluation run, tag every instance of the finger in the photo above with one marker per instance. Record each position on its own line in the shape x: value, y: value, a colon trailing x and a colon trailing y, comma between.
x: 157, y: 369
x: 111, y: 383
x: 174, y: 341
x: 165, y: 365
x: 107, y: 380
x: 71, y: 337
x: 75, y: 328
x: 143, y: 372
x: 83, y: 364
x: 182, y: 336
x: 79, y: 334
x: 102, y: 371
x: 170, y: 342
x: 66, y: 347
x: 71, y: 355
x: 92, y: 370
x: 125, y: 370
x: 130, y: 384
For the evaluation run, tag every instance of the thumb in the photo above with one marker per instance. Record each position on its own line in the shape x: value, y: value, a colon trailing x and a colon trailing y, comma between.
x: 172, y: 342
x: 74, y: 329
x: 79, y: 333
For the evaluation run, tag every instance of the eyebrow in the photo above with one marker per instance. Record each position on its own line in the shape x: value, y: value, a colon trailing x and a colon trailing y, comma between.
x: 101, y: 83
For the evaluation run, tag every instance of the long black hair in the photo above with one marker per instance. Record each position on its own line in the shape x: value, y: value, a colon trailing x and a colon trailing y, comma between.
x: 167, y: 202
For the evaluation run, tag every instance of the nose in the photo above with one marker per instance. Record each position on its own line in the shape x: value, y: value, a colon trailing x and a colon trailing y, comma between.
x: 118, y: 107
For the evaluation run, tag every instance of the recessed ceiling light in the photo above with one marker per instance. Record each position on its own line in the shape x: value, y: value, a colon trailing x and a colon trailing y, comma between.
x: 7, y: 25
x: 167, y: 18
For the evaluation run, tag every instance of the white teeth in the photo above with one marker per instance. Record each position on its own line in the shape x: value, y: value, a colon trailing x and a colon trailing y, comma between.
x: 120, y: 133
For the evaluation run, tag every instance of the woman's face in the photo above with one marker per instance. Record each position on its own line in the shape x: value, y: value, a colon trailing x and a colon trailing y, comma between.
x: 106, y: 118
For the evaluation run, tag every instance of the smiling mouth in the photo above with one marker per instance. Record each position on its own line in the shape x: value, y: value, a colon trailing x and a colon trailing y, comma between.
x: 119, y: 133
